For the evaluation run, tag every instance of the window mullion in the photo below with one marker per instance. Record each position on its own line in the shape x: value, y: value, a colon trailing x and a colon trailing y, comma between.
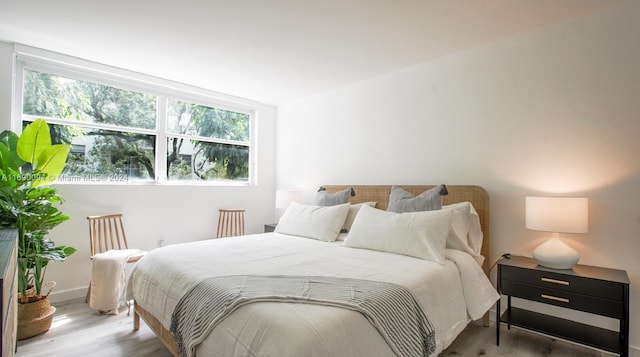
x: 80, y: 124
x: 210, y: 140
x: 16, y: 126
x: 161, y: 140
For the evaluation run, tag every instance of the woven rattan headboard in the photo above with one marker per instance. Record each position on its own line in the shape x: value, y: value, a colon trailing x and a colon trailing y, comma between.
x: 477, y: 195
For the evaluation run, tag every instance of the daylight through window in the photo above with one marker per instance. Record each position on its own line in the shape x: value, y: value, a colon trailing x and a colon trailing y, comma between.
x: 124, y: 135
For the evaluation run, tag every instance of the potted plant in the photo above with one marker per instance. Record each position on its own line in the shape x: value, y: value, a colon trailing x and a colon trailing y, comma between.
x: 27, y: 164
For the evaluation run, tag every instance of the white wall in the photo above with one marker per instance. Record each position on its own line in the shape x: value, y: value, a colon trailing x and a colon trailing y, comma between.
x: 552, y: 112
x: 151, y: 212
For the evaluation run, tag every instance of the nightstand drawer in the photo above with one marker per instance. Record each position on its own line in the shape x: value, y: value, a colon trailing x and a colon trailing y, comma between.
x: 565, y: 299
x: 563, y: 282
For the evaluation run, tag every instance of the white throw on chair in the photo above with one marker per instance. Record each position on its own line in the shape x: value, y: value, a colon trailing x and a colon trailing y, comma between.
x: 110, y: 253
x: 230, y: 222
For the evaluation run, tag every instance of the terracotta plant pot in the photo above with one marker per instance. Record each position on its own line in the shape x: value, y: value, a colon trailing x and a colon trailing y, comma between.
x: 34, y: 318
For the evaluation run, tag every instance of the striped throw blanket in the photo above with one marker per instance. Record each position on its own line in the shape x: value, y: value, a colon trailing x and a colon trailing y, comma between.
x: 392, y: 309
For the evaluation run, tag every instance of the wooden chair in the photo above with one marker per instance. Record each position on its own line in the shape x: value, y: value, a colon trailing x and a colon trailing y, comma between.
x: 106, y: 232
x: 230, y: 222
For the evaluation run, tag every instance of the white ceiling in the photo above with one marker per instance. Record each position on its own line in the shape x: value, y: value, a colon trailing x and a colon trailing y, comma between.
x: 273, y: 51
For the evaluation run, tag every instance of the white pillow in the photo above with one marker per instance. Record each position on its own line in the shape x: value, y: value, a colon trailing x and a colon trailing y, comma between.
x: 322, y: 223
x: 417, y: 234
x: 351, y: 216
x: 465, y: 233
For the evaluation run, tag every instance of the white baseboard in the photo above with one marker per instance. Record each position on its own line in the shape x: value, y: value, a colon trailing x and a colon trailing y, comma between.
x: 58, y: 297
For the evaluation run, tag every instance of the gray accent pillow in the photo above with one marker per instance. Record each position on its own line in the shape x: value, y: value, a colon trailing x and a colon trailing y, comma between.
x: 401, y: 201
x: 323, y: 198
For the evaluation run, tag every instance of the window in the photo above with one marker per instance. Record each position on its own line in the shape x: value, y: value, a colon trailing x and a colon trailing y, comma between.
x: 121, y: 130
x: 205, y: 143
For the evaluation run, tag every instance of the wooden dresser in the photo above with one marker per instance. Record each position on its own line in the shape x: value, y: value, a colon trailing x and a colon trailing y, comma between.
x: 9, y: 297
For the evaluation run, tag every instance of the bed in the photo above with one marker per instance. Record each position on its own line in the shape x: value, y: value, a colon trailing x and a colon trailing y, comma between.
x: 451, y: 293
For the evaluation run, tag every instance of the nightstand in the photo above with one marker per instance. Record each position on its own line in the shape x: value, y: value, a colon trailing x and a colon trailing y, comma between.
x: 595, y: 290
x: 270, y: 227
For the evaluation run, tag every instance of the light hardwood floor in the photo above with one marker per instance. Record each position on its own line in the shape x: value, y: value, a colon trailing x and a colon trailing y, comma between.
x: 78, y: 331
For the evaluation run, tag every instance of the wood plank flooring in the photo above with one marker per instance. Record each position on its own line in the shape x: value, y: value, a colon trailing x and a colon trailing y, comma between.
x: 78, y: 331
x: 477, y: 340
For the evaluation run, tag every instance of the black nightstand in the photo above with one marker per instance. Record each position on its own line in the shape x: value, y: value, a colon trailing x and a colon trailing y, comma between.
x: 595, y: 290
x: 270, y: 227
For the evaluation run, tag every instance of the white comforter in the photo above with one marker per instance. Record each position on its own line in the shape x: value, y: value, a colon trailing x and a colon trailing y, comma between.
x: 451, y: 294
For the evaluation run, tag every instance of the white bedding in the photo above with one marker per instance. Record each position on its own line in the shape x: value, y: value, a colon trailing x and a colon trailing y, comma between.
x: 451, y: 294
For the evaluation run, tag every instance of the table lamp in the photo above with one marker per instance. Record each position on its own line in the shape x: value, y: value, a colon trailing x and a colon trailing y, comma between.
x: 285, y: 197
x: 557, y: 215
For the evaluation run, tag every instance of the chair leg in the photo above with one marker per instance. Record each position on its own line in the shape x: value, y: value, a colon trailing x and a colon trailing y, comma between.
x: 86, y: 299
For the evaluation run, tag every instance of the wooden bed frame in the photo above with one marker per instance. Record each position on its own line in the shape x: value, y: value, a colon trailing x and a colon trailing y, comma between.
x: 478, y: 197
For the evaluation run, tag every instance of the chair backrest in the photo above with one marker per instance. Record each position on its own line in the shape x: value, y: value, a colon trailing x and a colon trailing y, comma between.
x: 230, y: 222
x: 106, y: 232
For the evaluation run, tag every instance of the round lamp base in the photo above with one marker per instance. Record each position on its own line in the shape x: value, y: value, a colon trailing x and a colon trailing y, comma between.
x: 556, y: 255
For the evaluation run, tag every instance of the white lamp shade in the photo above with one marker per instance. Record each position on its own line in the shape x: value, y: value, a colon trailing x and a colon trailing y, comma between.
x: 285, y: 197
x: 557, y: 214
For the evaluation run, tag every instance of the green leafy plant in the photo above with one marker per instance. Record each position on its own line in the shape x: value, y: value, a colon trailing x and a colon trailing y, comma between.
x: 27, y: 164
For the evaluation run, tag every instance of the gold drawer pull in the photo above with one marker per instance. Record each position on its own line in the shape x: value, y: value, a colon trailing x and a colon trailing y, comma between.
x: 550, y: 297
x: 554, y: 281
